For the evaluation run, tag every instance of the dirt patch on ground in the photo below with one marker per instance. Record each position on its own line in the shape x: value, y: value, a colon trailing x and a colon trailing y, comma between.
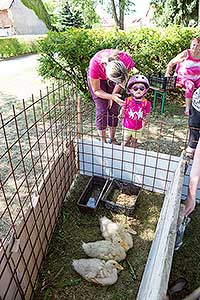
x: 57, y: 278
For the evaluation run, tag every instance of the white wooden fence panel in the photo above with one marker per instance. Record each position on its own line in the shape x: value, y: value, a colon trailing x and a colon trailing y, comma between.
x: 151, y: 169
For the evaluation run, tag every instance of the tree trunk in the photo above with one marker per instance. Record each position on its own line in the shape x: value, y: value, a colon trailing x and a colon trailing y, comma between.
x: 114, y: 12
x: 121, y: 13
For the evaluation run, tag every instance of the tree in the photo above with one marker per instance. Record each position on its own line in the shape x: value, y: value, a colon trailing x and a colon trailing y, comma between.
x: 175, y: 11
x: 38, y: 7
x: 118, y: 9
x: 85, y: 9
x: 66, y: 18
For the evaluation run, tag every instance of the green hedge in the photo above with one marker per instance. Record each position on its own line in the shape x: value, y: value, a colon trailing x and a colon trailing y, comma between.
x: 67, y: 55
x: 15, y: 46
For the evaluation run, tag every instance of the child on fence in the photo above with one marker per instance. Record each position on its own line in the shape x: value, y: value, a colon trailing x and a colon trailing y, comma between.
x: 194, y: 124
x: 135, y: 110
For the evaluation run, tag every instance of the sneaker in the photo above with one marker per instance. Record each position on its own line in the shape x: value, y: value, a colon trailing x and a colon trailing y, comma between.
x: 113, y: 141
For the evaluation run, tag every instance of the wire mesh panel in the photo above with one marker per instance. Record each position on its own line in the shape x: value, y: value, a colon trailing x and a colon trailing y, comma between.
x: 150, y: 165
x: 38, y: 162
x: 144, y: 168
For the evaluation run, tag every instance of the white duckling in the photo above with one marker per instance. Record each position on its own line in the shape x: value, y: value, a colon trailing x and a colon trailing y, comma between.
x: 105, y: 249
x: 109, y: 229
x: 97, y: 270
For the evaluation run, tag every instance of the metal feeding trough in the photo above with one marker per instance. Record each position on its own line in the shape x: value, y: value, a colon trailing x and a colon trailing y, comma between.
x: 121, y: 197
x: 92, y: 194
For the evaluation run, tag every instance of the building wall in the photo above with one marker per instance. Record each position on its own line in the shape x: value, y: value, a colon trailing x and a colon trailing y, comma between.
x: 25, y: 20
x: 6, y: 23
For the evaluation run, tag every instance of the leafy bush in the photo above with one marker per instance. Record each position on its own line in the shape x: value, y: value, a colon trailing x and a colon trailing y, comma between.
x: 66, y: 55
x: 17, y: 46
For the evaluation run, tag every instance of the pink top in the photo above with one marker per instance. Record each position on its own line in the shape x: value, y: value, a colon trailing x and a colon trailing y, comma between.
x: 134, y: 112
x: 189, y: 68
x: 96, y: 67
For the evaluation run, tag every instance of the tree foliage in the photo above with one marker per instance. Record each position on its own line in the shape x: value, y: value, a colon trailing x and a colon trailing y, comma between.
x: 175, y: 11
x: 66, y: 18
x: 87, y: 9
x: 82, y: 9
x: 66, y: 55
x: 38, y: 7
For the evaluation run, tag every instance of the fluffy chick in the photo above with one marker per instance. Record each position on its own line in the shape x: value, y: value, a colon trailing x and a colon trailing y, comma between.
x: 110, y: 229
x: 105, y: 249
x: 97, y: 270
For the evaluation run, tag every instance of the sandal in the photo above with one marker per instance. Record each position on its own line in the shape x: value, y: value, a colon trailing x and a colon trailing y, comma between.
x: 112, y: 141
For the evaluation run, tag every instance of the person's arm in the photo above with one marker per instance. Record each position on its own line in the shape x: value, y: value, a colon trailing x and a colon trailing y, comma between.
x: 193, y: 183
x: 179, y: 58
x: 115, y: 96
x: 121, y: 113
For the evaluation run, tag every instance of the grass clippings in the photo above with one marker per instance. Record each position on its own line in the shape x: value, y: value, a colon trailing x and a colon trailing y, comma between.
x: 57, y: 278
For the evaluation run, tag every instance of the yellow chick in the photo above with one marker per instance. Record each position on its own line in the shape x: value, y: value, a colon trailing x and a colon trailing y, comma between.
x: 97, y: 270
x: 110, y: 229
x: 114, y: 250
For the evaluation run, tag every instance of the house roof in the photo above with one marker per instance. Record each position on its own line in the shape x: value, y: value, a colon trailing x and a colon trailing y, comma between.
x: 5, y: 4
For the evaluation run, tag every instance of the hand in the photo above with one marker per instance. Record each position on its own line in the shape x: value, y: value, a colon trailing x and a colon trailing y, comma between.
x: 134, y: 71
x: 110, y: 103
x: 117, y: 99
x: 189, y: 206
x: 167, y: 74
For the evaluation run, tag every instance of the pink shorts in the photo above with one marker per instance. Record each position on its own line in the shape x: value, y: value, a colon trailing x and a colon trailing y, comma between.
x: 189, y: 85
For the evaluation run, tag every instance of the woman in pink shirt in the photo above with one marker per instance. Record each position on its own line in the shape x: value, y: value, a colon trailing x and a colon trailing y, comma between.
x: 135, y: 110
x: 108, y: 71
x: 187, y: 70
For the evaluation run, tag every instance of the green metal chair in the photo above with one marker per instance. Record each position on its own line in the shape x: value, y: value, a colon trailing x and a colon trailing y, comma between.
x: 159, y: 94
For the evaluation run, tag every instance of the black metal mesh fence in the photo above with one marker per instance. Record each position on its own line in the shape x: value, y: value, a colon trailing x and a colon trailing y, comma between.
x: 38, y: 165
x: 39, y: 160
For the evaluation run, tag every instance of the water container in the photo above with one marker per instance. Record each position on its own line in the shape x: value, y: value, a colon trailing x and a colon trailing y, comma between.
x: 91, y: 202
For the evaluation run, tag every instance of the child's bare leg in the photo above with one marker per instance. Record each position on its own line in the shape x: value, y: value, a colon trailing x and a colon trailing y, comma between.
x: 126, y: 141
x: 134, y: 143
